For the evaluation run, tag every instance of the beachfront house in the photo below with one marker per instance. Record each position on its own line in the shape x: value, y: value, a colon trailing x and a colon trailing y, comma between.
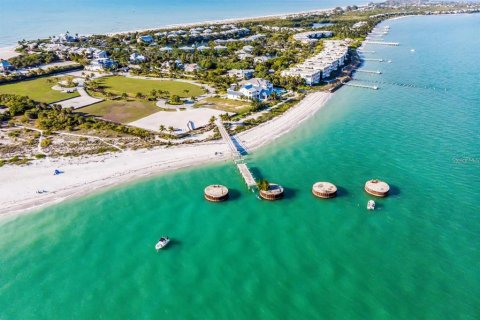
x: 137, y: 58
x: 101, y: 64
x: 253, y: 89
x: 145, y: 39
x: 261, y: 59
x: 5, y: 66
x: 100, y: 54
x: 220, y: 48
x: 191, y: 67
x: 187, y: 49
x: 166, y: 49
x: 64, y: 38
x: 243, y: 74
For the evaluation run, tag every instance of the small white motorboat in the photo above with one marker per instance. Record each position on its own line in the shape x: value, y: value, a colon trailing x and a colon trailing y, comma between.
x: 412, y: 50
x: 162, y: 242
x: 371, y: 205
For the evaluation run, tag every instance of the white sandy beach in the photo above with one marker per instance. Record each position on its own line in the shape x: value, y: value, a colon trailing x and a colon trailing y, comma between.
x: 19, y: 184
x: 8, y: 52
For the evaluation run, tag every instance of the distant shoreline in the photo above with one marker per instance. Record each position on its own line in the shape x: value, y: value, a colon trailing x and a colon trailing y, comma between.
x: 224, y: 21
x: 10, y: 48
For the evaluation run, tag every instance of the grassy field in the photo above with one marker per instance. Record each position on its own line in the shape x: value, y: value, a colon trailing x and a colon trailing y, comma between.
x: 119, y: 85
x: 39, y: 89
x: 120, y: 111
x: 228, y: 105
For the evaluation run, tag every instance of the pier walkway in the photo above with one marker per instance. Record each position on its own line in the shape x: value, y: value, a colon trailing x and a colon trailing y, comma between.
x: 376, y: 60
x: 237, y: 156
x: 369, y: 71
x: 361, y: 86
x: 383, y: 43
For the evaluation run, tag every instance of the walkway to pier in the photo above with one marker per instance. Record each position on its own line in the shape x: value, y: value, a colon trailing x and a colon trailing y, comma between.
x: 226, y: 137
x: 237, y: 156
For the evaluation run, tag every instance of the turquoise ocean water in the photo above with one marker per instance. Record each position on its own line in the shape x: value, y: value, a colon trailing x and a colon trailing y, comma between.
x: 30, y: 19
x: 416, y: 257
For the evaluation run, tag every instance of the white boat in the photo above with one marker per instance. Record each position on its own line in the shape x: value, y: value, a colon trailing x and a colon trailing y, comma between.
x: 371, y: 205
x: 162, y: 242
x: 412, y: 50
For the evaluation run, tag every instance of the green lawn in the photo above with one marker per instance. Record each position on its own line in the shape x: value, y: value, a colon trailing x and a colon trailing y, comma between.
x: 118, y: 85
x: 229, y: 105
x: 38, y: 89
x: 120, y: 111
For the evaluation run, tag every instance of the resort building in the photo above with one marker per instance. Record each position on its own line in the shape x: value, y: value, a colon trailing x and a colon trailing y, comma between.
x: 253, y: 89
x: 310, y: 37
x: 321, y: 65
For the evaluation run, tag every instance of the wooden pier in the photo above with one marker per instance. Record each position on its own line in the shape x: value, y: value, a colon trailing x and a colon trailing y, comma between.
x: 376, y: 60
x: 383, y: 43
x: 246, y: 175
x: 361, y: 86
x: 237, y: 157
x: 369, y: 71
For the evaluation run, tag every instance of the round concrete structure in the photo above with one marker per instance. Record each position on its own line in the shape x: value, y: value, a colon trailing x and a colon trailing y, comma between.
x: 274, y: 192
x: 216, y: 193
x: 324, y: 190
x: 377, y: 188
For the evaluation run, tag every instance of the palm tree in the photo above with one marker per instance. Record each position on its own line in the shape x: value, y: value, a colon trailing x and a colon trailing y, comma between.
x: 263, y: 184
x: 161, y: 128
x: 212, y: 120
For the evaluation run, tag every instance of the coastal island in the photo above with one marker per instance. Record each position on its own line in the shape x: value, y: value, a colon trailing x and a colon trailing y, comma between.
x: 142, y: 102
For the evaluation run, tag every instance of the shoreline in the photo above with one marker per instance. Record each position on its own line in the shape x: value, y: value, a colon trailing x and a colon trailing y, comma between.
x: 91, y: 174
x: 11, y: 47
x: 222, y: 21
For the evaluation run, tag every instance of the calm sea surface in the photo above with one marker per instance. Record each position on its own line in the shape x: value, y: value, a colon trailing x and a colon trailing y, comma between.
x: 30, y: 19
x: 416, y: 257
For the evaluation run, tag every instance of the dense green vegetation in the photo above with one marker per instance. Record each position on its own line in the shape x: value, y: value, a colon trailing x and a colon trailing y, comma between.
x: 54, y: 118
x: 39, y: 89
x: 33, y: 60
